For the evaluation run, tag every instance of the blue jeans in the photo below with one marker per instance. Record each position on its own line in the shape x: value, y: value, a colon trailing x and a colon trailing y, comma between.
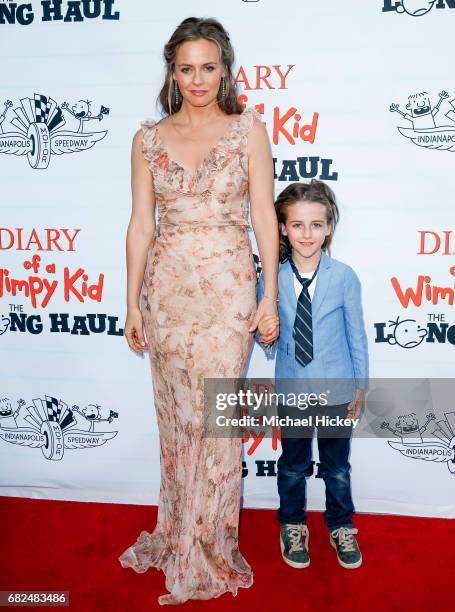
x: 295, y: 465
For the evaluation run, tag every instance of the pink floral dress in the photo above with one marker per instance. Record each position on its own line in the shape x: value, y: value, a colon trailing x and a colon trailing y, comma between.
x: 197, y: 301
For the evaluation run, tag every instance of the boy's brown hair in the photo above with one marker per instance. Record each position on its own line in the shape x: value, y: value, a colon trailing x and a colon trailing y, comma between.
x: 314, y: 191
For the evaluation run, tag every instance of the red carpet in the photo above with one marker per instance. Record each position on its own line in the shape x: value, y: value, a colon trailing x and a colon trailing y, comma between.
x: 73, y: 546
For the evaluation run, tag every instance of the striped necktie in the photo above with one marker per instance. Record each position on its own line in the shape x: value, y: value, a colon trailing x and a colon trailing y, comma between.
x: 303, y: 326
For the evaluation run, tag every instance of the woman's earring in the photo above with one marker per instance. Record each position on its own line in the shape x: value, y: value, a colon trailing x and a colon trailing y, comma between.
x: 223, y: 88
x: 177, y: 93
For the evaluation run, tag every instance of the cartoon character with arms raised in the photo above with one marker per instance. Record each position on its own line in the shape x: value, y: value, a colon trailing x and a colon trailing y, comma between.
x: 81, y: 111
x: 421, y: 113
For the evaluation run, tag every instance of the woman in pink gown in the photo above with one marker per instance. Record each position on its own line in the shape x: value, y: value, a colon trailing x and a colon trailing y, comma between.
x: 192, y: 288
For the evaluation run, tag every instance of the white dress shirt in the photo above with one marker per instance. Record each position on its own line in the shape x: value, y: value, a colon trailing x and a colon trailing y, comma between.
x: 298, y: 286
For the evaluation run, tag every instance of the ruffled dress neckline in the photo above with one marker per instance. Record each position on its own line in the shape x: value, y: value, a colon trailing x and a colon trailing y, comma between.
x: 184, y: 180
x: 173, y: 162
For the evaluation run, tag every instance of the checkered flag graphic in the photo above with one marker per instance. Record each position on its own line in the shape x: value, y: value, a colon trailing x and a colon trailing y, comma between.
x: 53, y: 409
x: 41, y: 108
x: 48, y: 108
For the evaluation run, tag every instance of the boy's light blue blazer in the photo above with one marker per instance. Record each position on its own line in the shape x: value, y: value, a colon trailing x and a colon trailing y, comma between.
x: 340, y: 348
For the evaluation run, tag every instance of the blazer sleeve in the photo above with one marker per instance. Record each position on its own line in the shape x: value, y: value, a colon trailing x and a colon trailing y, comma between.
x: 355, y: 328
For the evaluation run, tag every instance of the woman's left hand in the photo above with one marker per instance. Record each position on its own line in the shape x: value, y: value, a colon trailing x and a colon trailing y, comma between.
x: 266, y: 307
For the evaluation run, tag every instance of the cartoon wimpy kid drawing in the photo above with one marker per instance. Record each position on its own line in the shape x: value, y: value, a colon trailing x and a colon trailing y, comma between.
x: 81, y: 111
x: 94, y: 414
x: 407, y: 333
x: 8, y: 104
x: 421, y: 113
x: 415, y: 8
x: 407, y: 426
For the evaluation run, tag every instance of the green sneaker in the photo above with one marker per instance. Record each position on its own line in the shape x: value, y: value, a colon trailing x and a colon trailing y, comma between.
x: 344, y: 542
x: 294, y: 549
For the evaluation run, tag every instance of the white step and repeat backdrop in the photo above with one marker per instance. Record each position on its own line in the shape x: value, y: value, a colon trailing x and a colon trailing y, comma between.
x: 360, y: 94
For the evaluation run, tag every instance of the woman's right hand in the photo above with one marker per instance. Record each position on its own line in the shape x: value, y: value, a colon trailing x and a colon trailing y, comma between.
x: 133, y: 331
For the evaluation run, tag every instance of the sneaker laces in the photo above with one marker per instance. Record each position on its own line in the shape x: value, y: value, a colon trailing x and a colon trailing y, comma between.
x: 345, y: 537
x: 295, y: 533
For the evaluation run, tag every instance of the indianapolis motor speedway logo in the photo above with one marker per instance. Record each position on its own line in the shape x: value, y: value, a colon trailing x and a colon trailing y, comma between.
x: 423, y: 130
x: 412, y: 445
x: 52, y: 425
x: 37, y: 129
x: 415, y: 8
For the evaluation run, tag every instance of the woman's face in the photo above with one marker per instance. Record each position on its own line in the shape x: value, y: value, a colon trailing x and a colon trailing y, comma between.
x: 198, y: 71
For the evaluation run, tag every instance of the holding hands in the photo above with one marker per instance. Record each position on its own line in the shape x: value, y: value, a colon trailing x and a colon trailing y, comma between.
x: 266, y: 321
x: 269, y: 328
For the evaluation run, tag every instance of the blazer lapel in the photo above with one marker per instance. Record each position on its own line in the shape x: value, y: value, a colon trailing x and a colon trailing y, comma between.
x: 322, y: 283
x: 289, y: 286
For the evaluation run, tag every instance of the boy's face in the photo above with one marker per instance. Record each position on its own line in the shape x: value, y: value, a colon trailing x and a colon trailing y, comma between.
x: 306, y: 227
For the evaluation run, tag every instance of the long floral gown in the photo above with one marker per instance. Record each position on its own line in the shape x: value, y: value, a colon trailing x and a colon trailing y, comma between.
x: 197, y: 301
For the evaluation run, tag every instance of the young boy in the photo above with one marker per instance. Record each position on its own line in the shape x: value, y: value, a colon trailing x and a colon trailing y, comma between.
x: 322, y: 339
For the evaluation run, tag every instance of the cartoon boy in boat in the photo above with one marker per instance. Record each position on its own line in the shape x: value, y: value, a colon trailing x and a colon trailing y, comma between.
x: 421, y: 112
